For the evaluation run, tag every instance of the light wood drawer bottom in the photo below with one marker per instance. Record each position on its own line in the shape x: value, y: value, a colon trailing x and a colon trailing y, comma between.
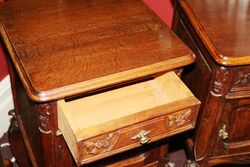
x: 112, y: 122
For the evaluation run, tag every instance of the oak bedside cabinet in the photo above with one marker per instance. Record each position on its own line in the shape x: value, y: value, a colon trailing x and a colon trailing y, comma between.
x: 94, y: 83
x: 218, y: 33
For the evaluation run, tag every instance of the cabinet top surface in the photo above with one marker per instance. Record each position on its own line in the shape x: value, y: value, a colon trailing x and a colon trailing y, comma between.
x: 62, y: 48
x: 224, y: 27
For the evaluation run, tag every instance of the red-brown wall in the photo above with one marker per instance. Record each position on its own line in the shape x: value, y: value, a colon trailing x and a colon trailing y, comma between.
x: 3, y: 64
x: 163, y: 8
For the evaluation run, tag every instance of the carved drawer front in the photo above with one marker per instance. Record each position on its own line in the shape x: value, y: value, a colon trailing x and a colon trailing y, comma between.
x: 108, y: 123
x: 240, y: 87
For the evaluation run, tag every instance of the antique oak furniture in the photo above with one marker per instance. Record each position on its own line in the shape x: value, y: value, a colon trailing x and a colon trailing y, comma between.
x: 94, y: 79
x: 218, y: 33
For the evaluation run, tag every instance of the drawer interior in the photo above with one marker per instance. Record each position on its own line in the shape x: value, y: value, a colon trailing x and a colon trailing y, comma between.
x: 98, y: 114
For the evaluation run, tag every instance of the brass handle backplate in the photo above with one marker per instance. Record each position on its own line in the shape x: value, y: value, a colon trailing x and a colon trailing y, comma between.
x: 223, y: 132
x: 142, y: 135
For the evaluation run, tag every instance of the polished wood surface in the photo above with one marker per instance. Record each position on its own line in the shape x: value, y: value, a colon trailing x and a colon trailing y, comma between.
x: 223, y: 27
x: 68, y: 47
x: 222, y: 133
x: 71, y: 50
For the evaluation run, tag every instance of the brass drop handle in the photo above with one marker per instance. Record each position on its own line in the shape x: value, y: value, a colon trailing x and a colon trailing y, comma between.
x: 223, y: 132
x: 142, y: 135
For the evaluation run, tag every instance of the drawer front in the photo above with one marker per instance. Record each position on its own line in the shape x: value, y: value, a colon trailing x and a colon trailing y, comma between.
x: 126, y: 138
x: 112, y: 122
x: 240, y: 87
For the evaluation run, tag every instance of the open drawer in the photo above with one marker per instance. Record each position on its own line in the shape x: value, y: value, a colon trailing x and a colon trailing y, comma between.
x: 108, y: 123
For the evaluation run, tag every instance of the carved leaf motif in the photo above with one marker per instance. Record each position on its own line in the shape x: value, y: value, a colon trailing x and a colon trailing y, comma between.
x: 220, y: 78
x: 243, y: 80
x: 44, y: 118
x: 101, y: 145
x: 177, y: 120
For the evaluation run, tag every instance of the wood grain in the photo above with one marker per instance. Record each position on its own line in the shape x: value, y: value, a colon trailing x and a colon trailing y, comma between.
x: 224, y: 33
x: 91, y: 113
x: 69, y: 47
x: 103, y: 114
x: 217, y: 33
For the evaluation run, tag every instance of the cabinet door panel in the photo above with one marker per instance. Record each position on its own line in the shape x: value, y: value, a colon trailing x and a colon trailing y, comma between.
x: 236, y: 124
